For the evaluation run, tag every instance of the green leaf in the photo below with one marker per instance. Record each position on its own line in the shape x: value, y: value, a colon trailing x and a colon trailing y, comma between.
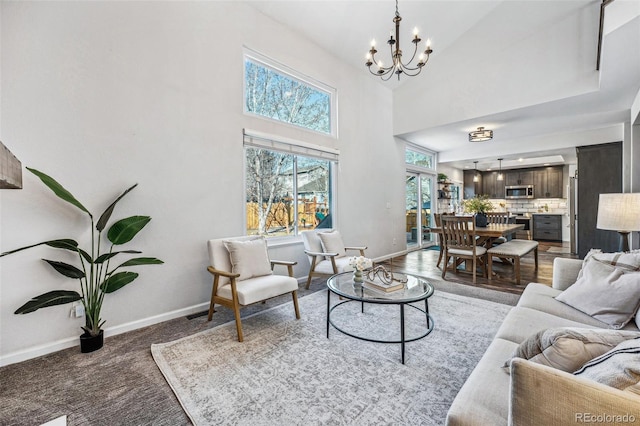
x: 117, y: 281
x: 65, y: 269
x: 142, y: 261
x: 52, y: 298
x: 124, y: 230
x: 104, y: 257
x: 59, y: 190
x: 63, y: 244
x: 104, y: 218
x: 86, y: 255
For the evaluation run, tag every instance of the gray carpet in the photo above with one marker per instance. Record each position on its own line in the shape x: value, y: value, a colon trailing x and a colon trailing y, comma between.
x: 120, y: 384
x: 287, y: 372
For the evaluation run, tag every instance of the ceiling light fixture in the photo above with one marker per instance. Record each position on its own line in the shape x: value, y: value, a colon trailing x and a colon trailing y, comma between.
x: 398, y: 67
x: 480, y: 135
x: 500, y: 175
x: 475, y: 173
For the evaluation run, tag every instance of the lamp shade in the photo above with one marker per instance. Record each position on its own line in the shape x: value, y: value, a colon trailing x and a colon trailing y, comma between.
x: 619, y: 212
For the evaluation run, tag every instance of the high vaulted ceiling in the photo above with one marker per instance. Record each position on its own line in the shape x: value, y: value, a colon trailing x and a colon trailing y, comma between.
x: 492, y: 30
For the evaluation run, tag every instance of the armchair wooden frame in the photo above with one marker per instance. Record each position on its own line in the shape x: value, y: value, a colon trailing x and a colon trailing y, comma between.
x: 233, y: 303
x: 332, y: 257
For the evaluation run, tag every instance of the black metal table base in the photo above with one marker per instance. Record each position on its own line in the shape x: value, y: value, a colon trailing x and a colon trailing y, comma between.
x: 403, y: 340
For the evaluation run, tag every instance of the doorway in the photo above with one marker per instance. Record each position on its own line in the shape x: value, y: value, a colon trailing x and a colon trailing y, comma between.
x: 419, y: 209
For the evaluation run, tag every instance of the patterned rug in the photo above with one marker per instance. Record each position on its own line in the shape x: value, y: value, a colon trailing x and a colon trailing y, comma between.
x: 287, y: 372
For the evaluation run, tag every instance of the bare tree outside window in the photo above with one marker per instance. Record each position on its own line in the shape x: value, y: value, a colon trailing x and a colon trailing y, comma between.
x: 280, y: 97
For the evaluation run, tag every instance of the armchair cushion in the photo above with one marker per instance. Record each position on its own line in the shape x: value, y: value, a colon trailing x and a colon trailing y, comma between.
x: 249, y: 258
x: 342, y: 265
x: 255, y: 289
x: 332, y: 243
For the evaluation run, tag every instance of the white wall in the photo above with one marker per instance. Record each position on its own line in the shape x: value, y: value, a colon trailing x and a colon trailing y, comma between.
x: 106, y: 94
x: 491, y: 79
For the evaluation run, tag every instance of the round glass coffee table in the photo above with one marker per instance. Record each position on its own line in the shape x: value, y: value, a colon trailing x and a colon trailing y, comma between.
x: 415, y: 289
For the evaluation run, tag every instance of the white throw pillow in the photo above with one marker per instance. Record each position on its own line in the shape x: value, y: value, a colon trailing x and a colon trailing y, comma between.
x: 568, y: 348
x: 619, y: 368
x: 332, y: 243
x: 608, y: 293
x: 249, y: 258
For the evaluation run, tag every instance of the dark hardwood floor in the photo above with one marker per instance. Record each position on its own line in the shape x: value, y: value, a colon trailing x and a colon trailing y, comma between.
x: 423, y: 263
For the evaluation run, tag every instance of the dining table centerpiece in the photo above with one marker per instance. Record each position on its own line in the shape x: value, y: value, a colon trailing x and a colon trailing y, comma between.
x: 479, y: 205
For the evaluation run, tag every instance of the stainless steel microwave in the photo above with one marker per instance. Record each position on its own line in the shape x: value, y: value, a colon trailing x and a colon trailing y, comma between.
x: 518, y: 191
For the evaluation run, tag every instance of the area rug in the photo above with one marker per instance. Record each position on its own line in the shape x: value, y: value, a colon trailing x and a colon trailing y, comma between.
x: 287, y: 372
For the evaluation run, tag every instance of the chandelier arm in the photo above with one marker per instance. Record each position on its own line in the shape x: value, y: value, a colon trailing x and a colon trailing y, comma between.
x: 419, y: 70
x: 415, y: 50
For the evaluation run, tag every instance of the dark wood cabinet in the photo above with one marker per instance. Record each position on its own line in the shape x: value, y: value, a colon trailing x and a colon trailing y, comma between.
x: 599, y: 172
x: 471, y: 188
x: 519, y: 177
x: 547, y: 182
x: 547, y: 227
x: 491, y: 186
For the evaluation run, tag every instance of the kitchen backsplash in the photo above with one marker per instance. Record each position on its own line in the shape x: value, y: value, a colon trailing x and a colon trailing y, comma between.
x: 537, y: 205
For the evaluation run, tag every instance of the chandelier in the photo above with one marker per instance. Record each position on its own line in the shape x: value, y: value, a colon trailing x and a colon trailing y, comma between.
x: 398, y: 67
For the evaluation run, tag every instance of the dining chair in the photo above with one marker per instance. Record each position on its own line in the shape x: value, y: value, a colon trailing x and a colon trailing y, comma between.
x: 499, y: 218
x: 459, y: 234
x: 437, y: 220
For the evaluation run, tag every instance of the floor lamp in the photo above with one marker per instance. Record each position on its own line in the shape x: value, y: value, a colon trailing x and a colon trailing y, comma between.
x: 619, y: 212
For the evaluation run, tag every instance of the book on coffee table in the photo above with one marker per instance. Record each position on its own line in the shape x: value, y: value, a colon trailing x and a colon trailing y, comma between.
x: 378, y: 284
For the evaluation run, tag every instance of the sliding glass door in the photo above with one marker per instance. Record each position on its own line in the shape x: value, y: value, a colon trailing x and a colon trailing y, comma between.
x: 419, y: 209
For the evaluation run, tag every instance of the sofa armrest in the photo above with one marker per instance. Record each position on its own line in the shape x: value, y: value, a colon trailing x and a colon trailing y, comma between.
x: 565, y: 272
x: 543, y: 395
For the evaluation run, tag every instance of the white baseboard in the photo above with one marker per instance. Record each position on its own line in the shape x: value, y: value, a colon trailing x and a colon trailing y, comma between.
x: 70, y: 342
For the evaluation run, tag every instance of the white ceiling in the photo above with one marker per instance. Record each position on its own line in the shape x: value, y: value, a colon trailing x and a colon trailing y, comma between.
x: 347, y: 27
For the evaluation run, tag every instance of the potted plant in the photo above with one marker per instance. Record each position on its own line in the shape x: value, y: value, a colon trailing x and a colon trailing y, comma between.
x: 479, y: 205
x: 96, y: 275
x: 442, y: 177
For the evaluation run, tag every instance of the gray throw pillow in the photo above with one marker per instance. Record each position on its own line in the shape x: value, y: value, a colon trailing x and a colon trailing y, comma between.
x: 619, y: 368
x: 605, y: 292
x: 568, y: 348
x: 332, y: 243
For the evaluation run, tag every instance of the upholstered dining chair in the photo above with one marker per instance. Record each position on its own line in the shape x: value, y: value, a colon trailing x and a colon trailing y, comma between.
x: 327, y: 253
x: 243, y: 275
x: 460, y: 243
x: 498, y: 217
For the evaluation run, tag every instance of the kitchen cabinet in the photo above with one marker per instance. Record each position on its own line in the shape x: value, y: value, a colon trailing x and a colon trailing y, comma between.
x: 491, y: 186
x: 518, y: 177
x: 547, y: 182
x: 471, y: 188
x: 547, y: 227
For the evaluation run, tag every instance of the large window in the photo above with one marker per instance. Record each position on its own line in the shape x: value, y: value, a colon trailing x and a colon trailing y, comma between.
x: 273, y: 91
x: 287, y: 189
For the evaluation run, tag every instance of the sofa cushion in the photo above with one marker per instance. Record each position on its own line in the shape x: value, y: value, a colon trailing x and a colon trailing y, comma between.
x: 249, y: 258
x: 568, y: 348
x: 520, y: 323
x: 484, y: 397
x: 607, y: 292
x: 542, y: 298
x: 332, y: 243
x: 619, y: 368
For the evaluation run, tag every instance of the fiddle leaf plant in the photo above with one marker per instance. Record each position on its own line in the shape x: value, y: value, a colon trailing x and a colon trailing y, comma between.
x: 95, y: 273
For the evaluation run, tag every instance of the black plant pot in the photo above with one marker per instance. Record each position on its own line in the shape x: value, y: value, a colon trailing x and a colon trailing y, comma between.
x: 481, y: 220
x: 89, y: 343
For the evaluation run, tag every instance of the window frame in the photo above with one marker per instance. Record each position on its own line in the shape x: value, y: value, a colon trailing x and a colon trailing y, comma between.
x: 292, y: 74
x: 417, y: 168
x: 253, y: 139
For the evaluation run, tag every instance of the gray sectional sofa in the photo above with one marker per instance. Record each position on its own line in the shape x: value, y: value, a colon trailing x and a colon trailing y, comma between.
x: 534, y: 394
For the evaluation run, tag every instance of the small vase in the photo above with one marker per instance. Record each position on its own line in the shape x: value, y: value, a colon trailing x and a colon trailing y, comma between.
x: 357, y: 276
x: 481, y: 220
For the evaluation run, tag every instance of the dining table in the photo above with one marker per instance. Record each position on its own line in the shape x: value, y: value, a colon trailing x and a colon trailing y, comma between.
x: 487, y: 234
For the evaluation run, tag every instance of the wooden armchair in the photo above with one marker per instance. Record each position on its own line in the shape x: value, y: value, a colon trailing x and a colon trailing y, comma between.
x: 243, y: 275
x: 460, y: 243
x: 327, y: 253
